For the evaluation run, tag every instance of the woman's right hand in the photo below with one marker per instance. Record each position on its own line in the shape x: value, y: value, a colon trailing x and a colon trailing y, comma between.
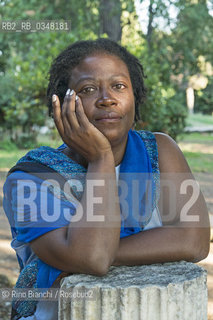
x: 76, y: 130
x: 86, y: 245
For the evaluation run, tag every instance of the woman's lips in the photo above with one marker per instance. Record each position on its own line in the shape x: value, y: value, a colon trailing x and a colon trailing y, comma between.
x: 108, y: 120
x: 109, y: 117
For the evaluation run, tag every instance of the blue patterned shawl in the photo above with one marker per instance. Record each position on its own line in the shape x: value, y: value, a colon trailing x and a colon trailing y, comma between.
x: 140, y: 157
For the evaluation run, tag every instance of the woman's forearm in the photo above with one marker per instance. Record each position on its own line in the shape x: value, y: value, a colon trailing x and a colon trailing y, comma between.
x: 163, y: 244
x: 95, y: 237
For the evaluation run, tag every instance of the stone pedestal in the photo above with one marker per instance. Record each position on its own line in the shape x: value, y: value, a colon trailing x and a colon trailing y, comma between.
x: 170, y: 291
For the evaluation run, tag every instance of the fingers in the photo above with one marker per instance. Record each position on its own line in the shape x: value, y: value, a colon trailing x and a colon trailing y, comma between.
x: 57, y: 115
x: 71, y: 117
x: 68, y: 111
x: 80, y: 114
x: 75, y: 128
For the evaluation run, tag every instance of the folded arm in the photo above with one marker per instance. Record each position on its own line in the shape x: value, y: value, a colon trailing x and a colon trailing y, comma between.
x: 185, y: 232
x: 85, y: 246
x: 93, y: 249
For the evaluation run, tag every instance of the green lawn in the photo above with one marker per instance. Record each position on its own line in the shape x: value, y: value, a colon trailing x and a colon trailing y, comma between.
x: 199, y: 162
x: 198, y: 119
x: 196, y: 137
x: 9, y: 158
x: 198, y: 151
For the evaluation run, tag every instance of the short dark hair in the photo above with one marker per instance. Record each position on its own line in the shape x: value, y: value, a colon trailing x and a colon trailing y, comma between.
x: 67, y: 60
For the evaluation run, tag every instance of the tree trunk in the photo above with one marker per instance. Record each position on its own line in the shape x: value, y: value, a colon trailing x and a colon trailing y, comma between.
x: 150, y: 26
x: 110, y: 19
x: 190, y: 99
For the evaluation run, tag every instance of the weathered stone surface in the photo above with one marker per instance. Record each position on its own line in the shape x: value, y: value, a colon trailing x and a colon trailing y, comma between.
x: 170, y: 291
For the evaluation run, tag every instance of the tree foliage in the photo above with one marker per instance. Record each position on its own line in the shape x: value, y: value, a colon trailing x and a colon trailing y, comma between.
x: 169, y: 57
x: 26, y: 59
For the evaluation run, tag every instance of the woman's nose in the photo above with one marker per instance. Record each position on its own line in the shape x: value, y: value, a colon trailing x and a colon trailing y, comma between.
x: 105, y: 100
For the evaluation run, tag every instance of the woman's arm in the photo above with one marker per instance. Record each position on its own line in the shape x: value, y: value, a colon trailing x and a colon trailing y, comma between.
x: 85, y: 246
x: 178, y: 239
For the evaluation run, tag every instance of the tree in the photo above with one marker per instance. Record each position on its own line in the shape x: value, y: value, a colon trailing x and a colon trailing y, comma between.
x: 169, y: 57
x: 26, y: 58
x: 173, y: 57
x: 110, y: 19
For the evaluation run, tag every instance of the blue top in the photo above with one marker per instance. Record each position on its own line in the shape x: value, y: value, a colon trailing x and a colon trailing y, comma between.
x: 34, y: 206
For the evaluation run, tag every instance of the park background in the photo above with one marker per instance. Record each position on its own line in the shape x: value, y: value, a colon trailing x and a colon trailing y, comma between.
x: 174, y: 41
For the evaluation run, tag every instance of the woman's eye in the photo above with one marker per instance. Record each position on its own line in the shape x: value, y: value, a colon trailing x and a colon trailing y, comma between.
x: 87, y: 90
x: 120, y: 86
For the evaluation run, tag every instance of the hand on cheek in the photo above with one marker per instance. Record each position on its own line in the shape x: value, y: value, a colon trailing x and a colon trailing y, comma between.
x: 76, y: 130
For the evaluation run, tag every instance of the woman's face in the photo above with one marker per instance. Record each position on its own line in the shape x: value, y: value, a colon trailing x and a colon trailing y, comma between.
x: 102, y: 81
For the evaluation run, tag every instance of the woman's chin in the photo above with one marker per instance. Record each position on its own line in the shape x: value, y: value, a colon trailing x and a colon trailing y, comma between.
x: 114, y: 136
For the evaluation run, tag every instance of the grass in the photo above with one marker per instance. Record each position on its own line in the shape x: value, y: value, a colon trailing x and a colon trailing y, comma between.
x: 199, y: 162
x: 9, y: 154
x: 9, y: 158
x: 197, y: 148
x: 198, y: 119
x: 206, y: 138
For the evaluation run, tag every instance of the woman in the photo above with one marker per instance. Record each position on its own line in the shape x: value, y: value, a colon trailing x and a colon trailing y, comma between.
x: 94, y: 92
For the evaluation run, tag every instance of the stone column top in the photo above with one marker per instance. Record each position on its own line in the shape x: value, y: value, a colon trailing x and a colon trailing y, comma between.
x: 168, y: 291
x: 147, y: 275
